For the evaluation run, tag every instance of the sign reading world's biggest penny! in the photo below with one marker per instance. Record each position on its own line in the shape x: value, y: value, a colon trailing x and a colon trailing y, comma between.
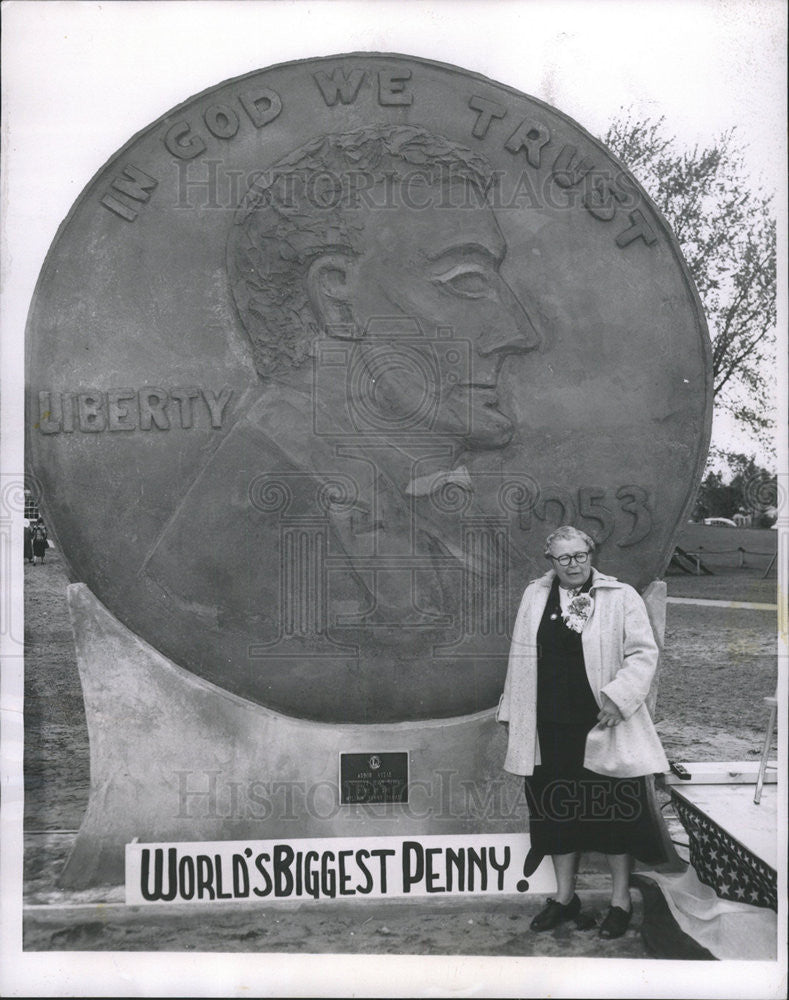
x: 318, y: 360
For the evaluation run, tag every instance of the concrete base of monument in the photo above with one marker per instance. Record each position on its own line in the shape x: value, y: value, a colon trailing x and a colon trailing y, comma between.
x: 175, y: 758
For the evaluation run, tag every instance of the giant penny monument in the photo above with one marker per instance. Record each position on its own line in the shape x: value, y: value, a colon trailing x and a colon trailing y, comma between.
x: 315, y: 364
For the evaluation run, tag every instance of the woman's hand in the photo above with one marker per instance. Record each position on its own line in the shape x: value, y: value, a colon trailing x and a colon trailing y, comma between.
x: 609, y: 714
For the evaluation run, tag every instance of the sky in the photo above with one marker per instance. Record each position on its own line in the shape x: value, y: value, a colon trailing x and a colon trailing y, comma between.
x: 79, y: 79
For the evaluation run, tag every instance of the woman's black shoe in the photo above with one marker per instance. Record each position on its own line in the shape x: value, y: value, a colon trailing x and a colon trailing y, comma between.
x: 616, y: 922
x: 554, y: 913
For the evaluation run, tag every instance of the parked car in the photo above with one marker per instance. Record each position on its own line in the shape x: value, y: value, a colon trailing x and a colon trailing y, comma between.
x: 722, y: 522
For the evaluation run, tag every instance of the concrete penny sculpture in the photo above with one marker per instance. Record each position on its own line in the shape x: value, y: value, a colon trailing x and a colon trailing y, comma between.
x: 320, y: 357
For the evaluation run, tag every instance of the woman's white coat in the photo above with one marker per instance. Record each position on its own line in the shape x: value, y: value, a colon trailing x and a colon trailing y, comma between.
x: 620, y: 654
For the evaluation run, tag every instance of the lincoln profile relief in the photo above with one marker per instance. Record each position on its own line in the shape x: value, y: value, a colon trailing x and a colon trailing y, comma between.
x: 365, y: 268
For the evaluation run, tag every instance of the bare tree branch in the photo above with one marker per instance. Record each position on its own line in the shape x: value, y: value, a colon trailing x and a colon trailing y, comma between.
x: 727, y: 232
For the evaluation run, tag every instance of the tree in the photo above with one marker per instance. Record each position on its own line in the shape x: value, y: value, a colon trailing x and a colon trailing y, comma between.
x: 750, y: 488
x: 727, y: 233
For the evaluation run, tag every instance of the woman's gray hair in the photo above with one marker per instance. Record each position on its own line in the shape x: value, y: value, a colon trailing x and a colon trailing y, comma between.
x: 567, y: 533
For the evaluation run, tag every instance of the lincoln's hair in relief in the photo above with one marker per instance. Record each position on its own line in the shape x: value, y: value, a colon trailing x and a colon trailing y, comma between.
x: 387, y: 225
x: 306, y: 206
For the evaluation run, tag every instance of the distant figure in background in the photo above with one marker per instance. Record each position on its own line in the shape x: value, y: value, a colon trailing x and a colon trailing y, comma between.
x: 28, y: 541
x: 40, y: 543
x: 742, y: 518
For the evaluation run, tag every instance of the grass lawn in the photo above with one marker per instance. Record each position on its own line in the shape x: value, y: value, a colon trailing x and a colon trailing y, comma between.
x: 729, y: 584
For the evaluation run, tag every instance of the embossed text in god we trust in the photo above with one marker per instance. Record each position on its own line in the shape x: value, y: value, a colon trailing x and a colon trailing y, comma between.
x: 607, y: 194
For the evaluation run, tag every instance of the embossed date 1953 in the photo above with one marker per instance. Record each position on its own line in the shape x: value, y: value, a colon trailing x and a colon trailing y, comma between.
x: 596, y: 504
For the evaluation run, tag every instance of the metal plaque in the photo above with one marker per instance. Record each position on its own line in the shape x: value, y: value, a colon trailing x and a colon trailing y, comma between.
x: 373, y: 777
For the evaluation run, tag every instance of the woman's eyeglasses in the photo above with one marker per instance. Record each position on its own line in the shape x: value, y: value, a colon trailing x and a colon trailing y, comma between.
x: 579, y: 557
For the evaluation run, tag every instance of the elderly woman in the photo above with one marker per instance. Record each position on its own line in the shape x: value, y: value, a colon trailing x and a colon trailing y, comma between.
x: 581, y: 663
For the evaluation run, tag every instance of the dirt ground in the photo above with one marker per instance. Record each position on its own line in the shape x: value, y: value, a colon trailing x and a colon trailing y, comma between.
x: 718, y: 665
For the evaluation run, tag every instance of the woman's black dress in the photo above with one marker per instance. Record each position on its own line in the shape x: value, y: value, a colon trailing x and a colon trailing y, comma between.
x: 573, y: 809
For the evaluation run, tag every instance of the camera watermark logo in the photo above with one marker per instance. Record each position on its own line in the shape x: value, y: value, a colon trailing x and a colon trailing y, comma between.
x: 389, y: 378
x: 762, y: 493
x: 20, y: 495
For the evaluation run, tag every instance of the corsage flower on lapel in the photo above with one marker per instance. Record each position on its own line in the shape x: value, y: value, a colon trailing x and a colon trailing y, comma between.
x: 578, y: 612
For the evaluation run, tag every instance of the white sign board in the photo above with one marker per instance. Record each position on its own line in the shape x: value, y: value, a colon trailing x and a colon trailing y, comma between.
x: 332, y: 868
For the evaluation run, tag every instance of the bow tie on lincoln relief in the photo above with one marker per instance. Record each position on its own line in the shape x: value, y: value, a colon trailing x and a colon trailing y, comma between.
x: 387, y: 527
x: 441, y: 516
